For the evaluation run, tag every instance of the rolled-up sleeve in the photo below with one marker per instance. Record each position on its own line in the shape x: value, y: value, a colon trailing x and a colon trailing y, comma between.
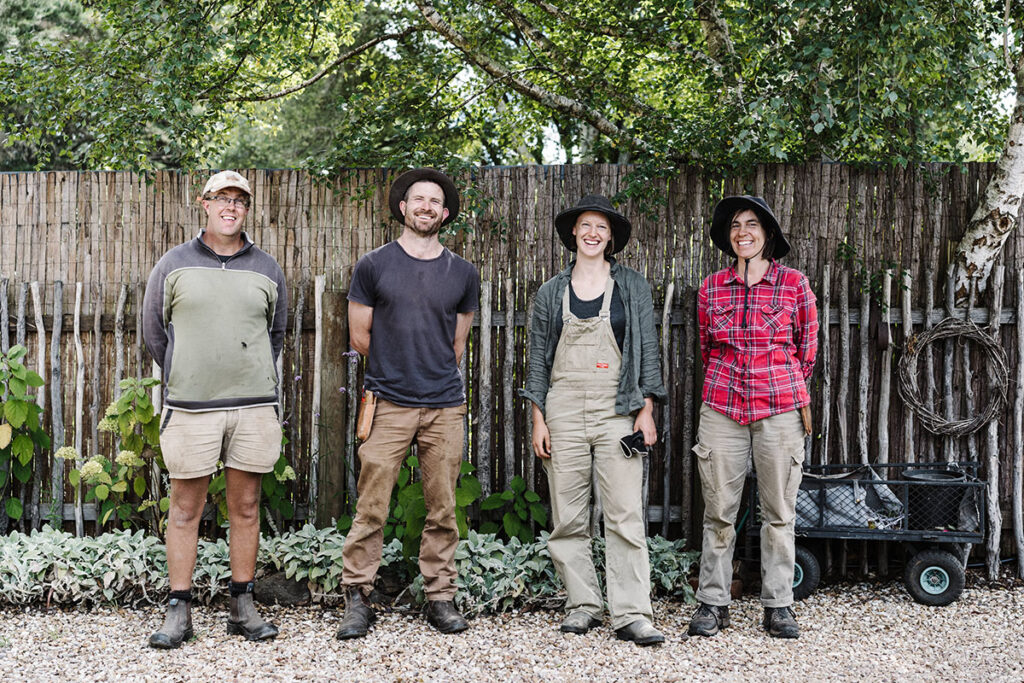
x: 538, y: 372
x: 806, y: 328
x: 650, y: 379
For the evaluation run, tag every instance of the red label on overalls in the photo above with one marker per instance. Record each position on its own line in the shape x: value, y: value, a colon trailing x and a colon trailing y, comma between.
x: 603, y: 366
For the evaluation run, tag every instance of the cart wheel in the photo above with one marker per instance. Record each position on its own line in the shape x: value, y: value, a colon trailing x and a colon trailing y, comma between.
x: 806, y: 573
x: 934, y: 577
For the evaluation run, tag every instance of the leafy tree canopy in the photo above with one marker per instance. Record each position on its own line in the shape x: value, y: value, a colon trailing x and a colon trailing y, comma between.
x: 332, y: 83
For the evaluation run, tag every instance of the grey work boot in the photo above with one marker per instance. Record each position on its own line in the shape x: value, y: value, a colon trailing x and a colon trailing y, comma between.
x: 709, y: 619
x: 177, y: 627
x: 442, y: 615
x: 359, y: 616
x: 243, y: 619
x: 578, y: 622
x: 780, y: 622
x: 640, y: 632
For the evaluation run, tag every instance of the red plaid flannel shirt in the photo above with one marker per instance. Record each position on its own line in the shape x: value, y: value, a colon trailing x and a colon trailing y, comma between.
x: 758, y: 345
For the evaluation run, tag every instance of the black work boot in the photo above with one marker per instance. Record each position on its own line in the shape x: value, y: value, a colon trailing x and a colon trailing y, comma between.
x: 359, y: 616
x: 243, y: 619
x: 780, y: 622
x: 709, y: 620
x: 442, y: 615
x: 177, y: 626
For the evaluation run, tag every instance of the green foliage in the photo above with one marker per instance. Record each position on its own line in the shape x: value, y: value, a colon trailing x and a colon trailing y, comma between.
x: 119, y: 486
x: 20, y: 431
x: 127, y: 567
x: 518, y: 508
x: 328, y: 84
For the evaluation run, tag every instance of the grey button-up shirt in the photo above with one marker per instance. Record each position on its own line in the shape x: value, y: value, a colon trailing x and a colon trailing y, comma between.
x: 640, y: 376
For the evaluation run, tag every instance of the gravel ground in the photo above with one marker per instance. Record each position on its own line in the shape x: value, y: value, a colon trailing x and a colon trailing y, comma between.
x: 849, y: 632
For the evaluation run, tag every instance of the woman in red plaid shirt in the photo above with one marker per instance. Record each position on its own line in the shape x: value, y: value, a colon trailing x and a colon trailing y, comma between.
x: 758, y: 335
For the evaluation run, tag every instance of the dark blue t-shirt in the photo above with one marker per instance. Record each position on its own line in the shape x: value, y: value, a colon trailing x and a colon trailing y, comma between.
x: 415, y: 306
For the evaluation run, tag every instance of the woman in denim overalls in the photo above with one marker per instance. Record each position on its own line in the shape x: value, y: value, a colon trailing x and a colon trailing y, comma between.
x: 593, y: 375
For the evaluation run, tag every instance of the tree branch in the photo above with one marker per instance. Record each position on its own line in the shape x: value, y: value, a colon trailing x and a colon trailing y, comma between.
x: 720, y: 47
x: 560, y: 103
x: 327, y: 69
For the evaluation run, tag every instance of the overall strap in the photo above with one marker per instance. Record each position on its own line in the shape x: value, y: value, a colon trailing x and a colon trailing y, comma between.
x: 606, y: 302
x: 566, y: 315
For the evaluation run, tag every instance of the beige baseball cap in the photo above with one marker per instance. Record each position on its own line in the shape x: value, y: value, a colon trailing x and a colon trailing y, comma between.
x: 218, y: 181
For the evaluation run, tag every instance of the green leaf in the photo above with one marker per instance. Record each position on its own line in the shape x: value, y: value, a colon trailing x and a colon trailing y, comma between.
x: 539, y: 514
x: 21, y: 471
x: 16, y: 412
x: 139, y: 486
x: 16, y: 352
x: 165, y: 504
x: 22, y: 448
x: 492, y: 502
x: 471, y: 486
x: 14, y: 508
x: 102, y: 491
x: 33, y: 379
x: 531, y: 497
x: 17, y: 387
x: 74, y: 477
x: 119, y: 487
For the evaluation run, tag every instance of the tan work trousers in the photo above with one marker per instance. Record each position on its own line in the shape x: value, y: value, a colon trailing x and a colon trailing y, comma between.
x: 580, y: 421
x: 439, y: 433
x: 723, y: 445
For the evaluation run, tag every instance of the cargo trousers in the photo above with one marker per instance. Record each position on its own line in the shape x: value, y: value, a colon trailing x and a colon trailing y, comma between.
x: 723, y: 448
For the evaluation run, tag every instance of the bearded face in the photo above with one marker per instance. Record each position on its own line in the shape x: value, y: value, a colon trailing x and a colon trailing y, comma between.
x: 423, y: 208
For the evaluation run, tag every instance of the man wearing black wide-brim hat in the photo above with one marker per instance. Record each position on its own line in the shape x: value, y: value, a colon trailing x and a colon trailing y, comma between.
x: 411, y: 304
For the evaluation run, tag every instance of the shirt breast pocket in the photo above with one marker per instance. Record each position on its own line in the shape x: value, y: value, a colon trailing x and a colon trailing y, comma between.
x: 720, y: 322
x: 776, y: 319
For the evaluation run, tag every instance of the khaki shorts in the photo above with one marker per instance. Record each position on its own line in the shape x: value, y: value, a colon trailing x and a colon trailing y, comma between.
x: 192, y: 443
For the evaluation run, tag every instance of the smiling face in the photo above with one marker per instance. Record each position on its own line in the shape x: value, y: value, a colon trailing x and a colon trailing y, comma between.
x: 223, y: 218
x: 423, y: 208
x: 593, y: 233
x: 747, y: 235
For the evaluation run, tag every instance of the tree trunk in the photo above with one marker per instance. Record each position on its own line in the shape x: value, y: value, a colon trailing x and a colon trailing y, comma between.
x: 998, y: 212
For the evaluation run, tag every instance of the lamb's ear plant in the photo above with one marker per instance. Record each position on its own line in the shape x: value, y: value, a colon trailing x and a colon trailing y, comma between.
x: 20, y: 431
x: 130, y: 568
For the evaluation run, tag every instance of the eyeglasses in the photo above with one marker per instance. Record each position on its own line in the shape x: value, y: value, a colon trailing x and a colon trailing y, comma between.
x: 223, y: 200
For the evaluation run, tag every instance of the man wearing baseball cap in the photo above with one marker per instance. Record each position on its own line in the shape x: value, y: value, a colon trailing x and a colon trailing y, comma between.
x: 411, y: 304
x: 214, y: 317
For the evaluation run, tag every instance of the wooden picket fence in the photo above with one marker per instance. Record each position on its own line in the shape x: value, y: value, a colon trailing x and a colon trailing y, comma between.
x: 101, y: 233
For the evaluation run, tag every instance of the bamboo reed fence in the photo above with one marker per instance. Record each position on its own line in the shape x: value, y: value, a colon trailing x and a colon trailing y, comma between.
x: 76, y: 248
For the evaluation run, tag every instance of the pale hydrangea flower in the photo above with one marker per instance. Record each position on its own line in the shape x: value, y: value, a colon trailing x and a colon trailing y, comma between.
x: 91, y: 469
x: 111, y: 410
x: 66, y: 453
x: 287, y: 475
x: 107, y: 424
x: 129, y: 459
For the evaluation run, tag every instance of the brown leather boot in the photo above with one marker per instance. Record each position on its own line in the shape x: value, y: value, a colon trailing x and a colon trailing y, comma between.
x: 177, y: 627
x: 442, y: 615
x: 243, y: 619
x: 359, y: 616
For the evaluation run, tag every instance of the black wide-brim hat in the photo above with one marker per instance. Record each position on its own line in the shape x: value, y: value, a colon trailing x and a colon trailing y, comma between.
x: 721, y: 222
x: 409, y: 178
x: 566, y: 220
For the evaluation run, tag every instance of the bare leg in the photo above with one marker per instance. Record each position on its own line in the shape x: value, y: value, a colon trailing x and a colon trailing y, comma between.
x: 243, y: 498
x: 188, y: 496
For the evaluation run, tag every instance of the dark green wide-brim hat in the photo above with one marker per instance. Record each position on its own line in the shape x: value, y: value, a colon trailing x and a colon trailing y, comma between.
x: 409, y: 178
x: 721, y: 222
x: 566, y: 220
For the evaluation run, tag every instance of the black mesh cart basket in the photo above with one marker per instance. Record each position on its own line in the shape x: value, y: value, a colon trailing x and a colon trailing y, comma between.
x: 934, y: 510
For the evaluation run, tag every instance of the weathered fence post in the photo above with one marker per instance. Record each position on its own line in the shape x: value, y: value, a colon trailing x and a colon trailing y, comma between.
x: 56, y: 514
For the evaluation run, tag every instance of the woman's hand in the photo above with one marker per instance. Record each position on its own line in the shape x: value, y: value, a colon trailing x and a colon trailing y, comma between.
x: 541, y: 435
x: 644, y: 422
